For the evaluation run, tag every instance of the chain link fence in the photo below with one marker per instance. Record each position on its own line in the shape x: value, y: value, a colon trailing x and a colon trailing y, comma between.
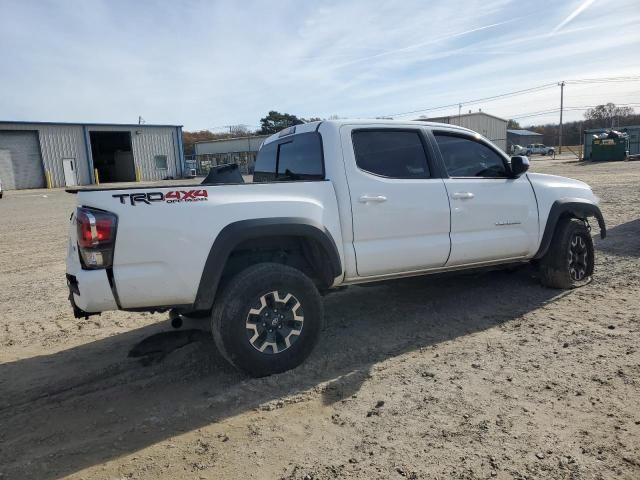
x: 203, y: 163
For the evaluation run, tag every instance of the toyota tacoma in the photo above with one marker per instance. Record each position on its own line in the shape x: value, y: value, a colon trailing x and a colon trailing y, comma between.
x: 331, y: 204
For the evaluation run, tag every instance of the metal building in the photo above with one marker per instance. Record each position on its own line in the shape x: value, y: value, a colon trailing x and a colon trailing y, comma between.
x: 241, y: 150
x: 632, y: 130
x: 492, y: 127
x: 522, y: 138
x: 54, y: 154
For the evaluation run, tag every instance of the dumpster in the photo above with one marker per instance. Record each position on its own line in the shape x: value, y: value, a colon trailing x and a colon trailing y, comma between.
x: 615, y: 146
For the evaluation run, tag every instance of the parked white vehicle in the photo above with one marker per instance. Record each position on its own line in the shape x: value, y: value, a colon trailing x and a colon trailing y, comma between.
x: 539, y: 148
x: 519, y: 150
x: 333, y: 203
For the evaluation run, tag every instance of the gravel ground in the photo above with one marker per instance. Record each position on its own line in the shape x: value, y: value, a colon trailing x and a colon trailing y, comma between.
x: 478, y: 376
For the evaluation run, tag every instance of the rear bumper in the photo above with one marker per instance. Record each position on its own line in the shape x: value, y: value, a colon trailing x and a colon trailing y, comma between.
x: 89, y: 290
x: 72, y: 284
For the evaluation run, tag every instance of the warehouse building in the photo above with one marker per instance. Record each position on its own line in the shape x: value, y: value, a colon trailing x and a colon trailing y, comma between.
x: 241, y: 150
x: 522, y: 138
x: 492, y: 127
x: 50, y: 154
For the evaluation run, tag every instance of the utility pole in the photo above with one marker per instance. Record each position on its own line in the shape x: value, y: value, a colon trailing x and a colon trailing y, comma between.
x: 581, y: 140
x: 561, y: 108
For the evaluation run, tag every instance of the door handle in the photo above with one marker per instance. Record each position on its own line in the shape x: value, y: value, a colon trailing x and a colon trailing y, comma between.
x: 462, y: 195
x: 373, y: 199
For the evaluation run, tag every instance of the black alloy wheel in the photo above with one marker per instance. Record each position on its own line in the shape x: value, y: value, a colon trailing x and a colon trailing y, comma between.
x: 275, y: 322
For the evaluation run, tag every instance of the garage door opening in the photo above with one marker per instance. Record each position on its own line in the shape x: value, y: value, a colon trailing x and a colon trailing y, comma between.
x: 113, y: 156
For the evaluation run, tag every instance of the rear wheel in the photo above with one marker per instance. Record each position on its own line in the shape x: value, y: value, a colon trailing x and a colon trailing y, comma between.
x: 268, y: 319
x: 570, y: 259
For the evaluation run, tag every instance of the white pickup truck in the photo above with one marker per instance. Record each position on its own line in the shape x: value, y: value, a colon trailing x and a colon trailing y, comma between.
x: 333, y: 203
x: 539, y: 148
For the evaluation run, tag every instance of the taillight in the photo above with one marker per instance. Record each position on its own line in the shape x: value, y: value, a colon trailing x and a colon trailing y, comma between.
x: 96, y: 237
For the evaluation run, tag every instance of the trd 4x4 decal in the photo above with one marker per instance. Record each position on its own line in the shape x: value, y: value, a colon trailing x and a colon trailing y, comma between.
x: 176, y: 196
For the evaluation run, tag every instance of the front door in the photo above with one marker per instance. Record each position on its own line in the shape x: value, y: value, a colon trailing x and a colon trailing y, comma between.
x: 69, y: 167
x: 493, y: 217
x: 400, y: 211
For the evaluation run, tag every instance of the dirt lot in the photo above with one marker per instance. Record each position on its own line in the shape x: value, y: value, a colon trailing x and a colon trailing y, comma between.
x: 481, y: 376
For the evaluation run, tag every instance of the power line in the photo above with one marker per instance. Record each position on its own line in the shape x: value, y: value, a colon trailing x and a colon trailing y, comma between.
x: 478, y: 100
x: 534, y: 114
x: 459, y: 105
x: 555, y: 110
x: 580, y: 81
x: 629, y: 78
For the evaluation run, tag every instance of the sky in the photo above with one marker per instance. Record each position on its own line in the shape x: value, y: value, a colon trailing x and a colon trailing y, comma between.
x: 210, y: 64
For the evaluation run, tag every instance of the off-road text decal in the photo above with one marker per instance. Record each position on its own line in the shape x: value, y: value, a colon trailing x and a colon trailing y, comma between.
x: 177, y: 196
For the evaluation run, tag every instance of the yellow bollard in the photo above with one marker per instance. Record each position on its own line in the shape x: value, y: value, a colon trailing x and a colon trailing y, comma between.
x: 48, y: 177
x: 97, y: 175
x: 138, y: 175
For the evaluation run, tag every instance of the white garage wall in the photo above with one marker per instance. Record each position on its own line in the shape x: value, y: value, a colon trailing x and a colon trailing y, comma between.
x: 146, y: 143
x: 493, y: 128
x: 59, y: 141
x: 64, y: 141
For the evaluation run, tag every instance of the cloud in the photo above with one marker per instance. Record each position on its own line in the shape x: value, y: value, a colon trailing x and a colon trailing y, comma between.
x: 424, y: 44
x: 583, y: 6
x: 206, y: 64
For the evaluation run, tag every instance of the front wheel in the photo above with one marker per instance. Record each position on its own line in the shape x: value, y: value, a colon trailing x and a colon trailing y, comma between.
x: 570, y: 259
x: 268, y: 319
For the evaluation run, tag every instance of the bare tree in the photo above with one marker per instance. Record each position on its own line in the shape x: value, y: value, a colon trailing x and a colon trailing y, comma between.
x: 239, y: 130
x: 607, y: 114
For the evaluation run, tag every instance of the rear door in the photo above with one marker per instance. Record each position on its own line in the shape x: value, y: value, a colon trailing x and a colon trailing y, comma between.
x: 69, y: 167
x: 493, y: 217
x: 399, y: 204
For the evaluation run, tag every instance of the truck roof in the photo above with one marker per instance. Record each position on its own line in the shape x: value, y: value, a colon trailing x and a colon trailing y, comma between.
x: 312, y: 126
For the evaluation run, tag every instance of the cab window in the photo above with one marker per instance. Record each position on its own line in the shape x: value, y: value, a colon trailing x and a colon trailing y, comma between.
x: 467, y: 157
x: 391, y: 153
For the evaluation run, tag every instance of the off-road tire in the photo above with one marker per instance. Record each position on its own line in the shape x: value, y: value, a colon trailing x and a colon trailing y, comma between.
x: 570, y: 259
x: 243, y: 295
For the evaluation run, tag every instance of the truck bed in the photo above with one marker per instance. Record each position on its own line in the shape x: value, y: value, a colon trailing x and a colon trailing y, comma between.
x: 165, y: 233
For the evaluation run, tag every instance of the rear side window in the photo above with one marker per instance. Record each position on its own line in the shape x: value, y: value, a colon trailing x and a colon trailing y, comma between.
x: 297, y: 157
x: 265, y: 169
x: 391, y: 153
x: 301, y: 158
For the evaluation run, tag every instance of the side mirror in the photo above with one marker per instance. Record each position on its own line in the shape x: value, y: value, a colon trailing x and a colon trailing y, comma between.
x: 519, y: 165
